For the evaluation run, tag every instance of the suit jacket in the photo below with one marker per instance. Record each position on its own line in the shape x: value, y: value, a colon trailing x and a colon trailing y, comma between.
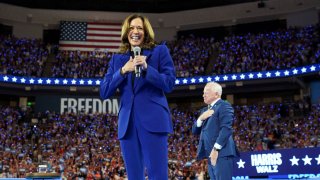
x: 146, y: 97
x: 216, y: 129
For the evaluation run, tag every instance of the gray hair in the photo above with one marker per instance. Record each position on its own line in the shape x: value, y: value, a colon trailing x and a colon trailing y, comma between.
x: 215, y: 87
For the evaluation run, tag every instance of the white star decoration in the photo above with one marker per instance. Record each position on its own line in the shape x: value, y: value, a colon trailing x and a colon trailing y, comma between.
x: 225, y: 77
x: 318, y: 159
x: 234, y: 77
x: 307, y: 160
x: 294, y: 161
x: 259, y: 75
x: 286, y: 73
x: 185, y: 81
x: 241, y: 163
x: 23, y: 80
x: 268, y: 74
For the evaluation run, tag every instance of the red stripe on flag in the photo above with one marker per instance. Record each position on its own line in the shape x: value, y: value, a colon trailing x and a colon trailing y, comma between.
x: 88, y: 46
x: 106, y: 35
x: 103, y: 23
x: 97, y: 40
x: 104, y: 29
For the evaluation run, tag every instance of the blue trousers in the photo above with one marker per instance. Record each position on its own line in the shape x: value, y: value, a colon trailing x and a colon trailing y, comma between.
x: 211, y: 170
x: 223, y: 169
x: 143, y: 149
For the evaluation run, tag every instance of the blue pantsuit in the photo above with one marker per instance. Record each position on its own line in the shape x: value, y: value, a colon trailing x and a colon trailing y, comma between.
x: 144, y: 119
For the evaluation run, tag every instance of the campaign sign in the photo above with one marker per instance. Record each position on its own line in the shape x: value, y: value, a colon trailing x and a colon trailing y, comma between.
x: 291, y: 163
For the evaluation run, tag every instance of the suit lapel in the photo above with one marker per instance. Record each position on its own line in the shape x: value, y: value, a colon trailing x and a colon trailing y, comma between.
x: 135, y: 82
x: 124, y: 59
x: 216, y: 104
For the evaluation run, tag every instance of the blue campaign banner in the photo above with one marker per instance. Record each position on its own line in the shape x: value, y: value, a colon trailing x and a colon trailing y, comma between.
x: 293, y: 163
x: 245, y: 76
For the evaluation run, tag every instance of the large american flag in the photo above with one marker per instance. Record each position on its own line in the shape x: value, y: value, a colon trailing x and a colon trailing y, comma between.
x: 89, y: 36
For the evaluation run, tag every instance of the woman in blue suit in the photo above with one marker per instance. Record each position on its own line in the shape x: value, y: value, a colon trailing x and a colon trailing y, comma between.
x: 144, y: 116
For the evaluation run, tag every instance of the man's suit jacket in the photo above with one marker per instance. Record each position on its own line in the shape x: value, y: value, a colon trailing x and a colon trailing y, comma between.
x: 145, y: 96
x: 216, y: 129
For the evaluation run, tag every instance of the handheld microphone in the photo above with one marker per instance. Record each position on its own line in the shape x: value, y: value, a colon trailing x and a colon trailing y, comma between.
x: 137, y: 69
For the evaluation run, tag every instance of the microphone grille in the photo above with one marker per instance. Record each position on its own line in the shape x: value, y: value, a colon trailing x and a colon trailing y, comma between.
x: 136, y: 50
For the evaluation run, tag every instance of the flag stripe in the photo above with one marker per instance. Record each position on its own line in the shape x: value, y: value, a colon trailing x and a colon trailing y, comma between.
x: 104, y: 32
x: 88, y: 46
x: 90, y: 36
x: 103, y: 29
x: 104, y: 23
x: 103, y: 38
x: 97, y: 40
x: 89, y: 49
x: 90, y: 43
x: 109, y: 35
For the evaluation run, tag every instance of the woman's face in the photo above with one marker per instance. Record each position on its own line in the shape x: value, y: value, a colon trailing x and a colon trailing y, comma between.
x: 136, y: 32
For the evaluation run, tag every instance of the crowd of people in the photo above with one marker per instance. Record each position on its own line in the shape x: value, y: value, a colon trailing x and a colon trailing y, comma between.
x: 86, y: 145
x: 238, y: 53
x: 191, y: 55
x: 268, y: 51
x: 22, y: 56
x: 276, y: 126
x: 77, y: 64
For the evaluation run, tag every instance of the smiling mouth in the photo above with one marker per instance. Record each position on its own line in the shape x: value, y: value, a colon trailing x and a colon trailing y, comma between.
x: 135, y: 38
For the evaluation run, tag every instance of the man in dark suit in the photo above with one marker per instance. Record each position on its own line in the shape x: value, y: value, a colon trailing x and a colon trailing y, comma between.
x: 215, y: 128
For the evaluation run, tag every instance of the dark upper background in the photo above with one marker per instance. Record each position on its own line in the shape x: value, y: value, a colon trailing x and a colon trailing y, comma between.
x: 182, y: 93
x: 143, y: 6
